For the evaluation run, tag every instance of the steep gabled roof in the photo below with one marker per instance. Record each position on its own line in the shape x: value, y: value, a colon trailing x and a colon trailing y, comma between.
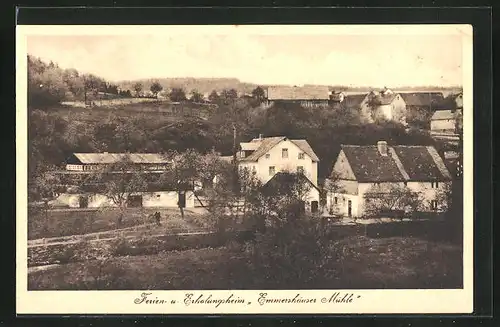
x: 298, y: 93
x: 422, y: 99
x: 283, y: 183
x: 369, y: 166
x: 402, y: 163
x: 353, y: 101
x: 268, y: 143
x: 109, y: 158
x: 304, y: 146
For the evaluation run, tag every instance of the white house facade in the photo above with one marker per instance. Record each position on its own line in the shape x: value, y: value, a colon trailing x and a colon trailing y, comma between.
x: 364, y: 170
x: 270, y: 156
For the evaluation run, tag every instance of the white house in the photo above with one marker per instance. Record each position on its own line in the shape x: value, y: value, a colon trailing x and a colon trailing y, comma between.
x: 268, y: 156
x: 444, y: 121
x: 360, y: 170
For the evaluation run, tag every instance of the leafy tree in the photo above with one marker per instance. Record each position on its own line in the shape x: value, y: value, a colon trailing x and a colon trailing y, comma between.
x: 177, y: 94
x: 137, y: 88
x: 196, y: 96
x: 156, y: 88
x: 293, y: 243
x: 259, y: 93
x: 228, y: 95
x: 117, y: 181
x: 214, y: 96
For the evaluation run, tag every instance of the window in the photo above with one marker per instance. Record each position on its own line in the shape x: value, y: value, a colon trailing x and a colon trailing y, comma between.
x: 158, y: 196
x: 437, y: 184
x: 336, y: 200
x: 434, y: 204
x: 301, y: 155
x: 300, y: 170
x: 242, y: 154
x: 434, y: 184
x: 284, y: 153
x: 268, y: 156
x: 405, y: 183
x: 271, y: 170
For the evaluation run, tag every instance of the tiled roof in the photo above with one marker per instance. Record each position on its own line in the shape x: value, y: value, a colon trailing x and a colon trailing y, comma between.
x: 422, y: 99
x: 402, y: 163
x: 298, y: 93
x: 109, y: 158
x: 304, y: 146
x: 443, y: 115
x: 283, y: 183
x: 268, y: 143
x: 368, y: 165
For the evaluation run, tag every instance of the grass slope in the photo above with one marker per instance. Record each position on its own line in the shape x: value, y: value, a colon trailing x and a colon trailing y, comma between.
x: 374, y: 263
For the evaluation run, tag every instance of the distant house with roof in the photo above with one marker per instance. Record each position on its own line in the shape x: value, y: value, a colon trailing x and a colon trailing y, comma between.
x: 268, y: 156
x: 446, y: 121
x: 388, y: 105
x: 361, y: 169
x: 306, y: 96
x: 420, y: 106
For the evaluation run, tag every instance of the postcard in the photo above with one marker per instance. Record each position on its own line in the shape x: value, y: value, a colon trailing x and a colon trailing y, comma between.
x: 244, y: 169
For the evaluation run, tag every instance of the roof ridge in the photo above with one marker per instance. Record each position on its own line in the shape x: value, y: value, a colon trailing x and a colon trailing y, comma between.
x: 398, y: 162
x: 438, y: 161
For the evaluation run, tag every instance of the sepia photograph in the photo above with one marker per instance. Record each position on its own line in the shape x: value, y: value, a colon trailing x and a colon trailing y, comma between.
x: 202, y: 159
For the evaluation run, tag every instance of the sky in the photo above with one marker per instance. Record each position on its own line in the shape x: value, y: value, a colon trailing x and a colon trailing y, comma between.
x: 396, y: 59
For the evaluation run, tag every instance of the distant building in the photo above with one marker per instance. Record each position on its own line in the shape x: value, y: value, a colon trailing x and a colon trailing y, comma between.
x: 337, y: 97
x: 361, y: 169
x: 306, y: 96
x: 446, y: 121
x: 388, y: 105
x: 80, y: 165
x: 93, y: 161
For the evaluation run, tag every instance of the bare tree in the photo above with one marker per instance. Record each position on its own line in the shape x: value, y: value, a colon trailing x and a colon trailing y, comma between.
x: 45, y: 186
x: 390, y: 199
x: 118, y: 182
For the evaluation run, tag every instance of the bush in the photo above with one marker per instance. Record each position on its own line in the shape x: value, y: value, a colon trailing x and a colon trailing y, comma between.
x: 295, y: 251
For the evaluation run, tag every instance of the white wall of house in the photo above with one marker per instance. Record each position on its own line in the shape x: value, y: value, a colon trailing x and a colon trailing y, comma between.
x: 164, y: 199
x: 427, y: 191
x: 443, y: 124
x: 280, y: 164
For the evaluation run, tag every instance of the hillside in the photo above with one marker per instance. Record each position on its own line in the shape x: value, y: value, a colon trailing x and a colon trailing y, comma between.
x: 207, y: 85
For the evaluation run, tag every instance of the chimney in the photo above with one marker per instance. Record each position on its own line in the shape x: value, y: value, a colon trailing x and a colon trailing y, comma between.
x: 260, y: 136
x: 382, y: 147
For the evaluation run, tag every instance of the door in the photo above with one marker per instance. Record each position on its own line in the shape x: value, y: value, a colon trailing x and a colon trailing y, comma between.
x: 182, y: 200
x: 349, y: 208
x: 83, y: 201
x: 314, y: 206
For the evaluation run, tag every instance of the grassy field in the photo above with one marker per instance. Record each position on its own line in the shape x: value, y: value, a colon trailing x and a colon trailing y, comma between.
x: 378, y: 263
x: 76, y: 222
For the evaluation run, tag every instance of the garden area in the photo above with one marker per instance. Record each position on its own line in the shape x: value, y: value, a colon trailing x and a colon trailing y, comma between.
x: 66, y: 222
